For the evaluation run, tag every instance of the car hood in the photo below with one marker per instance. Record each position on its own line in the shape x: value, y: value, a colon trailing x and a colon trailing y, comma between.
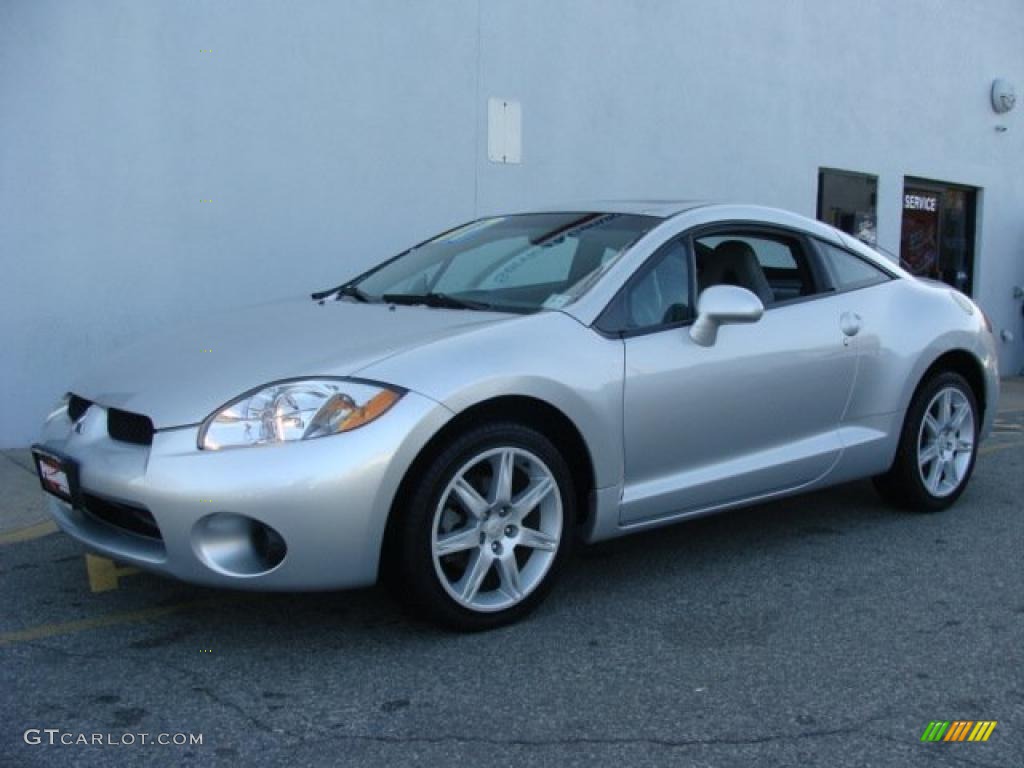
x: 180, y: 377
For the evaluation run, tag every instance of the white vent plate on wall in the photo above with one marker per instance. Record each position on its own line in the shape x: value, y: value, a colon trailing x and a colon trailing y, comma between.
x: 504, y: 131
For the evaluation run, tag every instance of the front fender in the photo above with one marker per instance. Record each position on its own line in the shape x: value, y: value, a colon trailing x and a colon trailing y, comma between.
x: 548, y: 356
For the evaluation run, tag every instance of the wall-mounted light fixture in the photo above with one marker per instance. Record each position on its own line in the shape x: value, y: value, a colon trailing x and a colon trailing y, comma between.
x: 1004, y: 96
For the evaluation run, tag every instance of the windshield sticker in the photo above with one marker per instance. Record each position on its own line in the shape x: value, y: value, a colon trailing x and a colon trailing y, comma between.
x: 557, y: 301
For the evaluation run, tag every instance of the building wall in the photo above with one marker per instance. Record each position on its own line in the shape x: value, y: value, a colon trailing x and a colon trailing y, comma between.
x: 328, y: 135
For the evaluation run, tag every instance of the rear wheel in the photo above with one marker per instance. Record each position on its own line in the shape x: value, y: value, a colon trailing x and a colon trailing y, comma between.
x: 487, y: 528
x: 937, y: 447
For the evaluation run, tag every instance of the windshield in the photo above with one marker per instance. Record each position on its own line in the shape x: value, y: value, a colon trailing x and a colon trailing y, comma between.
x: 517, y: 263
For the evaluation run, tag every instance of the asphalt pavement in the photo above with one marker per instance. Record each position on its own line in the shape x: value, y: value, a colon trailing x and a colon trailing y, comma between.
x: 823, y: 630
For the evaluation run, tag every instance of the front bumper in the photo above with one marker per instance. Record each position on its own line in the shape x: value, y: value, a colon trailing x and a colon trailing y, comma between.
x: 328, y: 499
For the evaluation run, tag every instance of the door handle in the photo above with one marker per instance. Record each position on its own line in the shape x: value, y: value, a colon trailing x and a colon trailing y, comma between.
x: 850, y: 323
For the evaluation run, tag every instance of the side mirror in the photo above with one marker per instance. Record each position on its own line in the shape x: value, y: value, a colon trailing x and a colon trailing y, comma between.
x: 723, y: 305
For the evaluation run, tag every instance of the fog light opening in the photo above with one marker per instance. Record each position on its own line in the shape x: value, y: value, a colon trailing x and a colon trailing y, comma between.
x: 268, y: 544
x: 237, y: 545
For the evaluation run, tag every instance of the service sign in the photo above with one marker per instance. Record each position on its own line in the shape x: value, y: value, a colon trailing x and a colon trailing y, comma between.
x: 918, y: 202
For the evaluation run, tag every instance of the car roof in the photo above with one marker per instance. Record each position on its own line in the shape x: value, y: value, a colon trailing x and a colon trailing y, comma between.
x: 660, y: 208
x: 668, y: 209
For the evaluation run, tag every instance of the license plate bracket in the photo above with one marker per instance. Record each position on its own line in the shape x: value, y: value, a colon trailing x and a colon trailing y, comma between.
x: 57, y: 473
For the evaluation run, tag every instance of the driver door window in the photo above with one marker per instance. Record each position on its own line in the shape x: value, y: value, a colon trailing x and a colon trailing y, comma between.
x: 774, y: 268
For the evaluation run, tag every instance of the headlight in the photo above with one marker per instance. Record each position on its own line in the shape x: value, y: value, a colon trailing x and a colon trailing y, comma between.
x: 296, y: 410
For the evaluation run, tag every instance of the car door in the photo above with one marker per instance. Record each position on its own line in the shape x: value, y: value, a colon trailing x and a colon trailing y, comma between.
x: 870, y: 301
x: 753, y: 414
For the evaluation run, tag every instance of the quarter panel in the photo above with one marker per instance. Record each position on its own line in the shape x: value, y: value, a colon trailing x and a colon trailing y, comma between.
x: 907, y: 326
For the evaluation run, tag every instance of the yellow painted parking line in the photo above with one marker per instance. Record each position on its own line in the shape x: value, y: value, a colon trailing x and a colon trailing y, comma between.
x: 36, y: 531
x: 104, y: 573
x: 69, y: 627
x: 56, y: 629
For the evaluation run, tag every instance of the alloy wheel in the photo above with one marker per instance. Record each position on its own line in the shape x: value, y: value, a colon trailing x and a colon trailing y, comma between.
x: 946, y: 442
x: 496, y: 529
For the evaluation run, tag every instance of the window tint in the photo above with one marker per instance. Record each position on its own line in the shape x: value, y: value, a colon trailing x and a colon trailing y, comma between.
x: 659, y: 296
x: 851, y: 271
x: 774, y: 268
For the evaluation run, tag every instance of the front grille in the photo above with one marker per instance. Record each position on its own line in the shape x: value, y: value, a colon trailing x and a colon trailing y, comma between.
x: 77, y: 406
x: 127, y: 517
x: 129, y: 427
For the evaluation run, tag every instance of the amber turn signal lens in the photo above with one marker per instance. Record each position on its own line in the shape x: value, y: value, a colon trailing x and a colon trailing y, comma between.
x: 374, y: 407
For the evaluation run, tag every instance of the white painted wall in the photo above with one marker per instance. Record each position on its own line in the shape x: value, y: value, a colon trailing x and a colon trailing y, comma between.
x: 328, y: 135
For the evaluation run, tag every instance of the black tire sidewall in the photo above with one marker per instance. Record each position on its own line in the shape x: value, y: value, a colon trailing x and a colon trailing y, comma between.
x: 421, y: 588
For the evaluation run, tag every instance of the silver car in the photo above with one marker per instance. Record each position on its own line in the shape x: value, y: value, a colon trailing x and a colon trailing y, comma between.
x: 456, y: 418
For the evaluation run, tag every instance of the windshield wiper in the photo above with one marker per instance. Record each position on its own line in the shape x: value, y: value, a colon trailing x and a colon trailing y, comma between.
x: 348, y: 289
x: 353, y: 291
x: 439, y: 300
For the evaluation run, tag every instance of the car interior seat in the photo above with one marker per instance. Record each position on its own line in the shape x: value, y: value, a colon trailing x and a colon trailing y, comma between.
x: 733, y: 262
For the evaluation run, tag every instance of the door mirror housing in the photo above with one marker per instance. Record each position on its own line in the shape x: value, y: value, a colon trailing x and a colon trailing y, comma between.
x: 723, y: 305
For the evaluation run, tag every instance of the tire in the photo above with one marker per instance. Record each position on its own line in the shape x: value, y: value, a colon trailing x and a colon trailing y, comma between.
x: 937, y: 447
x: 473, y: 553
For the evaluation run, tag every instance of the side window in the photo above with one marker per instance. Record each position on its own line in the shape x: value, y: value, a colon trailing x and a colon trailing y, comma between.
x: 658, y: 296
x: 850, y: 271
x: 775, y: 268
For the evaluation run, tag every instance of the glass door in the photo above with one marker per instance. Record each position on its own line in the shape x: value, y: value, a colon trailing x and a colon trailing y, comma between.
x: 937, y: 239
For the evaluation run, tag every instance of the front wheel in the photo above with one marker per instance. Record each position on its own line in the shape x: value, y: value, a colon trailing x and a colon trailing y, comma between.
x: 937, y: 447
x: 487, y: 528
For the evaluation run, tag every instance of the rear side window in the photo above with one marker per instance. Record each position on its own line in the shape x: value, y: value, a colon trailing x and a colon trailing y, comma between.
x: 850, y: 271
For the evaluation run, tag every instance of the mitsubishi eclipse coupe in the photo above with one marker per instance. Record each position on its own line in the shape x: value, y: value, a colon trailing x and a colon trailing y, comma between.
x: 454, y: 419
